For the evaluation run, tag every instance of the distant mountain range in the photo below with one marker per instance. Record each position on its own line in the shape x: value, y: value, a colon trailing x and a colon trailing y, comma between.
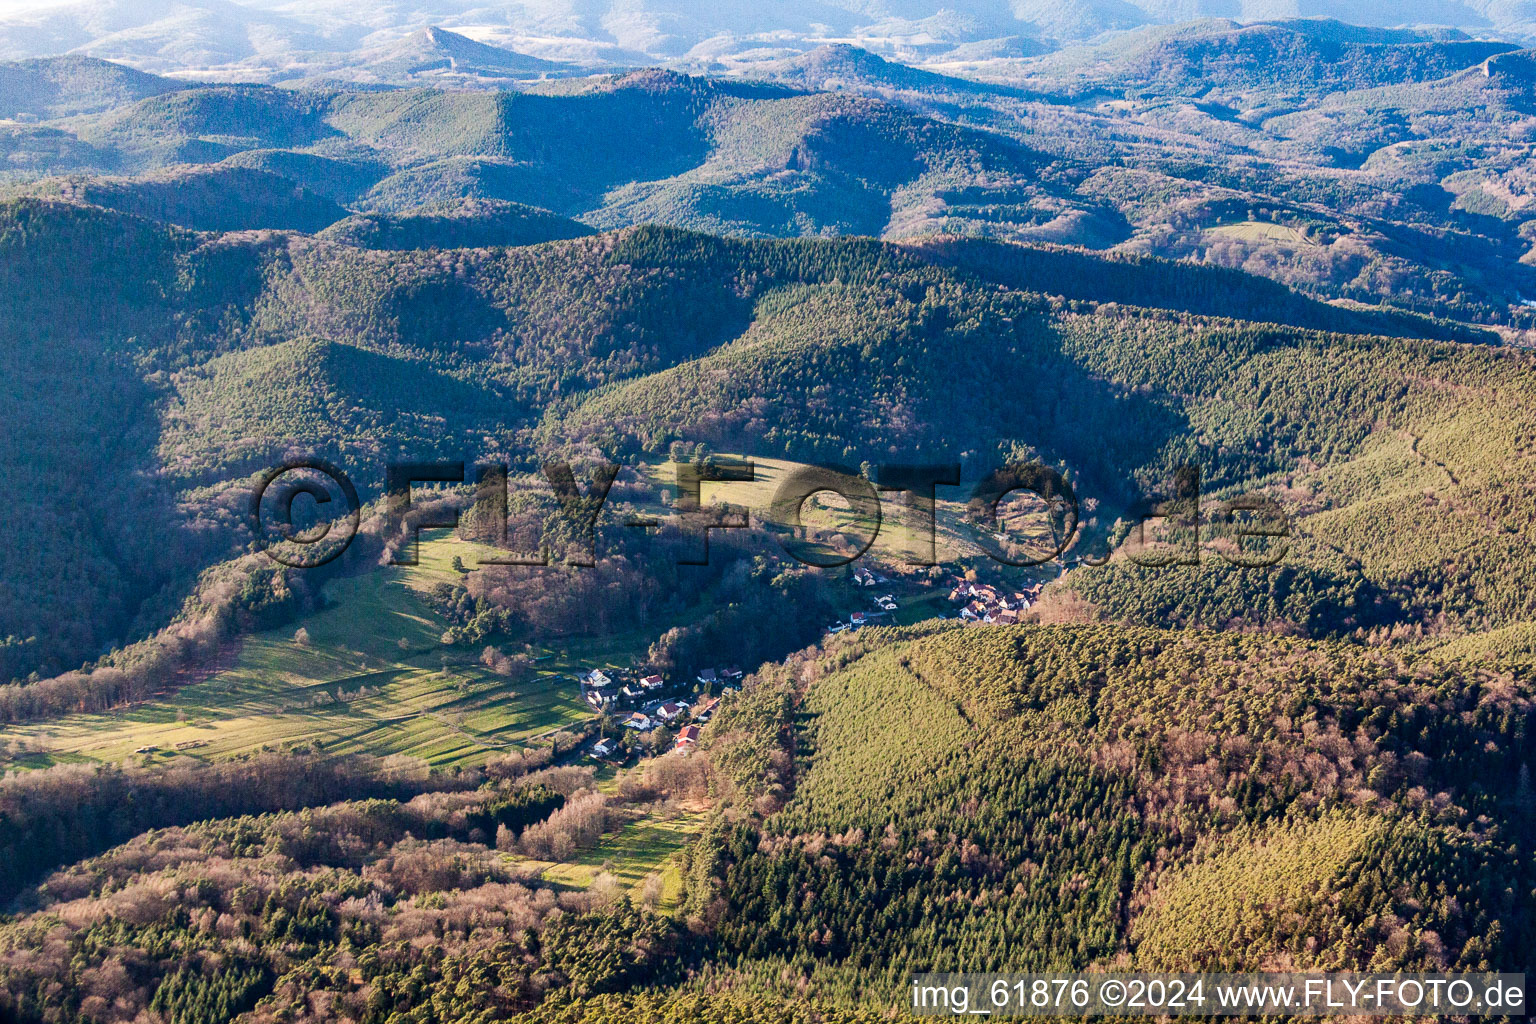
x: 1357, y: 164
x: 278, y: 39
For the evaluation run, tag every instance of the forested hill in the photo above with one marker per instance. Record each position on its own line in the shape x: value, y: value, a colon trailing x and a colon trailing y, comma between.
x: 1046, y: 798
x: 220, y: 354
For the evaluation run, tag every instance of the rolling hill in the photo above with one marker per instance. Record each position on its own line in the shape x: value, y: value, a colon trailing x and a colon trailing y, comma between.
x: 203, y: 198
x: 473, y: 224
x: 45, y: 88
x: 1257, y: 65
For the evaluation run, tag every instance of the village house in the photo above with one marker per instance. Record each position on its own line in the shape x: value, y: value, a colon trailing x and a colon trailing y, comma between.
x: 596, y: 678
x: 651, y: 682
x: 687, y: 736
x: 603, y: 748
x: 670, y: 710
x: 863, y: 577
x: 705, y: 708
x: 632, y: 691
x: 708, y: 677
x: 733, y: 672
x: 601, y: 698
x: 639, y: 721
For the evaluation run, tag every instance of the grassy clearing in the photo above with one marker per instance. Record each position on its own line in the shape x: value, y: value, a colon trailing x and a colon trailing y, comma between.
x: 648, y: 845
x: 1263, y: 231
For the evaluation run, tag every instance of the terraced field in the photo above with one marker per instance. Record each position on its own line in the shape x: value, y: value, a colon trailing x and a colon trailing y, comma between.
x: 373, y: 677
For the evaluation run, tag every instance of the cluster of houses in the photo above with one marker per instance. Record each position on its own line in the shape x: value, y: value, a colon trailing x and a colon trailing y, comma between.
x: 984, y: 603
x: 619, y: 692
x: 656, y: 715
x: 606, y: 691
x: 884, y: 604
x: 602, y: 690
x: 651, y: 717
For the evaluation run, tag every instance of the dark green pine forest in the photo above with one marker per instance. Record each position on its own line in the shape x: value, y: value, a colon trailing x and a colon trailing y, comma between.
x: 1292, y: 255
